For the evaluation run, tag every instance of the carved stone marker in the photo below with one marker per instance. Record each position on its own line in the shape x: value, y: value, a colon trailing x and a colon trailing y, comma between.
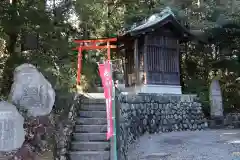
x: 216, y: 99
x: 12, y: 134
x: 216, y: 106
x: 32, y: 91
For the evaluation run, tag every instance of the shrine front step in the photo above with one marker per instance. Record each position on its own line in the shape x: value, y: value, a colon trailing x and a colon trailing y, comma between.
x: 91, y: 101
x: 89, y: 137
x: 91, y: 121
x: 93, y: 114
x: 90, y: 146
x: 93, y: 107
x: 90, y: 155
x: 91, y: 129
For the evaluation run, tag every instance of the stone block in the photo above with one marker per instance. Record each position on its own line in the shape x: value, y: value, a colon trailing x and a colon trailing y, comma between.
x: 91, y: 137
x: 93, y: 107
x: 93, y: 114
x: 91, y: 128
x: 90, y: 146
x: 90, y: 155
x: 91, y: 121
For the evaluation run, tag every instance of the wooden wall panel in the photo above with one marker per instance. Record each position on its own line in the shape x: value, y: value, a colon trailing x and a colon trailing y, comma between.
x: 162, y: 60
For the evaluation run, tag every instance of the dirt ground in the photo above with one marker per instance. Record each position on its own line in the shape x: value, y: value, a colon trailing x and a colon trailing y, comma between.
x: 44, y: 156
x: 189, y: 145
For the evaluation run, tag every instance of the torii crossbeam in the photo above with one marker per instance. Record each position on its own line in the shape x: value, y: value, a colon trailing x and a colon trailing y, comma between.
x: 92, y: 45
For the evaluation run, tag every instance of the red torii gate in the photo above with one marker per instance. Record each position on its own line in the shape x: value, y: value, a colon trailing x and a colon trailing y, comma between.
x: 92, y: 45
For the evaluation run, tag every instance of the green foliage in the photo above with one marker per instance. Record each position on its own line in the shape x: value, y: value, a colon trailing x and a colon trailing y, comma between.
x: 53, y: 57
x: 100, y: 18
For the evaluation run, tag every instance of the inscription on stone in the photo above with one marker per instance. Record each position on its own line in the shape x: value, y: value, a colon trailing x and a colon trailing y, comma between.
x: 216, y: 99
x: 7, y: 133
x: 32, y: 91
x: 12, y: 133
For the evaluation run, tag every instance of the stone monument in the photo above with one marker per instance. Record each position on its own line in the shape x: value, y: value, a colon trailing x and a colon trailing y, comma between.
x: 12, y: 133
x: 31, y: 91
x: 216, y: 105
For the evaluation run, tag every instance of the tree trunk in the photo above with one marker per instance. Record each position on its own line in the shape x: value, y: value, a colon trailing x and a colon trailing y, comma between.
x: 9, y: 65
x: 13, y: 57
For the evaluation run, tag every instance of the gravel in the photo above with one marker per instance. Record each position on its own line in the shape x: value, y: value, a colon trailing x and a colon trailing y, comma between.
x: 188, y: 145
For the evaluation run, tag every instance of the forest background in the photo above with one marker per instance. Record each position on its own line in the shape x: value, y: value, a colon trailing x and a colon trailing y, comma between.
x: 42, y: 32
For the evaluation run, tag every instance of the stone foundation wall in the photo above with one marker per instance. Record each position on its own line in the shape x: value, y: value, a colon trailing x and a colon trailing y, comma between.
x: 155, y: 113
x: 232, y: 120
x: 228, y: 121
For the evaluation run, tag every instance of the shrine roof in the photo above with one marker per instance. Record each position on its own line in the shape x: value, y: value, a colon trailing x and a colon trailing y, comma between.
x: 155, y: 19
x: 158, y: 20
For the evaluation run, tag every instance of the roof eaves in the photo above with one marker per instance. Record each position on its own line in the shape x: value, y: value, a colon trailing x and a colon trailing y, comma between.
x: 151, y: 23
x: 153, y: 20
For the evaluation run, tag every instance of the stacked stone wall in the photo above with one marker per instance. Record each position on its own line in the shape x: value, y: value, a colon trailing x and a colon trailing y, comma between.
x: 64, y: 129
x: 154, y: 113
x: 232, y: 120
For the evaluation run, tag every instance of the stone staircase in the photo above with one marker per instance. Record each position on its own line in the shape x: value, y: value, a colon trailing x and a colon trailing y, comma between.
x: 89, y: 138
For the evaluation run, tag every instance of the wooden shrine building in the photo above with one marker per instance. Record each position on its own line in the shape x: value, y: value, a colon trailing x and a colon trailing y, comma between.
x: 152, y: 53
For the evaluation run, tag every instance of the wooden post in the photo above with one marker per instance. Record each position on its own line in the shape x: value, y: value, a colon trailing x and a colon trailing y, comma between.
x: 145, y: 58
x: 126, y: 70
x: 108, y: 51
x: 179, y: 58
x: 79, y: 65
x: 136, y: 61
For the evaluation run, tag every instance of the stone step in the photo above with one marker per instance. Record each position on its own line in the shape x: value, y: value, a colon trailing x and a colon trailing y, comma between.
x: 93, y: 107
x: 93, y: 101
x: 90, y: 155
x: 93, y: 114
x: 91, y: 128
x: 91, y: 121
x: 90, y: 146
x: 90, y: 137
